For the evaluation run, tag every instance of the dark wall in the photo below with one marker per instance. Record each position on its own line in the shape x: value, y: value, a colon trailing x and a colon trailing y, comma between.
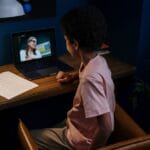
x: 126, y: 29
x: 144, y: 44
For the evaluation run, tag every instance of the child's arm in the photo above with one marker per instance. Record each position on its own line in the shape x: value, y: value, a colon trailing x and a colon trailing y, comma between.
x: 63, y: 77
x: 102, y: 136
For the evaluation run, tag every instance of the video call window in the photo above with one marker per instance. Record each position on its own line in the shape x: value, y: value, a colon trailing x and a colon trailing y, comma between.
x: 34, y: 46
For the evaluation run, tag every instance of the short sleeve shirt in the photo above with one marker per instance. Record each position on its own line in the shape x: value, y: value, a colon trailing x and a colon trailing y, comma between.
x: 94, y: 97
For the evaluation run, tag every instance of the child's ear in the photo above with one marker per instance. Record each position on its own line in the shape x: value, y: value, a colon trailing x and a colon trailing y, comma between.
x: 75, y: 45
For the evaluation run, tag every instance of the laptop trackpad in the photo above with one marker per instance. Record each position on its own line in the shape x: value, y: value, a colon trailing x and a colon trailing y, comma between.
x: 48, y: 71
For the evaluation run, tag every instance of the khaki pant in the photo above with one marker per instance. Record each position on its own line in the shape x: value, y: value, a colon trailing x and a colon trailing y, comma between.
x: 51, y: 139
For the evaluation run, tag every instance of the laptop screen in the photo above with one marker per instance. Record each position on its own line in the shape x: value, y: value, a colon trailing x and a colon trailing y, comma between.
x: 33, y: 45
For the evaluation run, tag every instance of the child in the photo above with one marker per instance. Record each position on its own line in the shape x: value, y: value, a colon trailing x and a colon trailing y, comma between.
x: 90, y: 121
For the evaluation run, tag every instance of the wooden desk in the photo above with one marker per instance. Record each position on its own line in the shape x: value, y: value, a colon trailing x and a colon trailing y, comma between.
x: 48, y: 86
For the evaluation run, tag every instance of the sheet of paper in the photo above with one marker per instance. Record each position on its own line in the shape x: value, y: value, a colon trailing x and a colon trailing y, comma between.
x: 12, y: 85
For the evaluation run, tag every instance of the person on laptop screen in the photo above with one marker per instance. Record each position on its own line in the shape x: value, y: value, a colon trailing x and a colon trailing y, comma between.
x: 31, y: 52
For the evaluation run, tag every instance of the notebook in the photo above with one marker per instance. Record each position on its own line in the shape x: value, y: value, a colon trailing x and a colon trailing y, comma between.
x: 35, y: 54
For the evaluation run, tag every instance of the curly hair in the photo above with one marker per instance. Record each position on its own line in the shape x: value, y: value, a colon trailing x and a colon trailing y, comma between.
x: 87, y: 25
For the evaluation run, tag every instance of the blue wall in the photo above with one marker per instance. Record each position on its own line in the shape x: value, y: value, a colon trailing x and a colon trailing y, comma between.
x: 126, y: 20
x: 144, y: 43
x: 6, y: 28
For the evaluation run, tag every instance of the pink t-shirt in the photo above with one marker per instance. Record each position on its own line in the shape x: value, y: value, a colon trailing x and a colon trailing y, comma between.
x: 94, y: 97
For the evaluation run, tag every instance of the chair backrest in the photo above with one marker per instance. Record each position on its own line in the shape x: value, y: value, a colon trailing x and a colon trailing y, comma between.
x: 25, y: 137
x: 125, y: 127
x: 140, y: 143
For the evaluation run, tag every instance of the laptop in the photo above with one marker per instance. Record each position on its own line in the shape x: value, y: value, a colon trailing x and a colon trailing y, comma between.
x: 34, y: 53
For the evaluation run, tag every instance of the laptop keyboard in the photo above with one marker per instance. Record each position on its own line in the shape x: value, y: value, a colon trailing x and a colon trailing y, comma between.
x: 33, y: 67
x: 48, y: 71
x: 38, y: 70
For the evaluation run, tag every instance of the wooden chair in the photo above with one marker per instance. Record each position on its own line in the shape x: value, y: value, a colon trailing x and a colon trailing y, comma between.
x: 126, y: 136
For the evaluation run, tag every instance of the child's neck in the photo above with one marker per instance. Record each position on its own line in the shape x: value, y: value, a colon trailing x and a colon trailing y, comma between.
x: 87, y: 56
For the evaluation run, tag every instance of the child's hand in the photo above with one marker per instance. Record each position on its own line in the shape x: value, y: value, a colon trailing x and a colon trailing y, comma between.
x: 63, y: 77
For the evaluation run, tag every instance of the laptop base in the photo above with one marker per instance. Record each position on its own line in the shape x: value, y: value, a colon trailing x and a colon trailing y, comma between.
x: 44, y: 72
